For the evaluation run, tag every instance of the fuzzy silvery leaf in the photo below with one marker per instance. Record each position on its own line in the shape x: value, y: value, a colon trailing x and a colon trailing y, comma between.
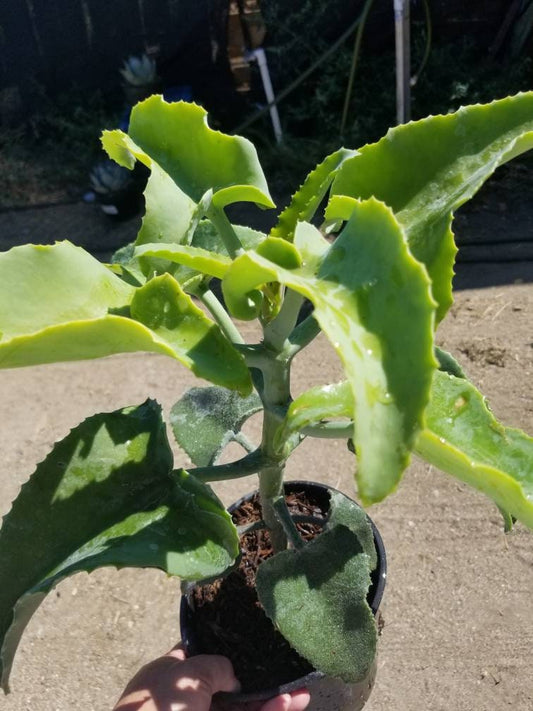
x: 316, y: 597
x: 206, y: 420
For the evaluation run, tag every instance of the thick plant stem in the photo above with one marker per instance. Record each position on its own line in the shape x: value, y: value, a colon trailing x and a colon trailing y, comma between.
x: 276, y: 392
x: 278, y: 330
x: 289, y: 526
x: 270, y: 489
x: 250, y: 464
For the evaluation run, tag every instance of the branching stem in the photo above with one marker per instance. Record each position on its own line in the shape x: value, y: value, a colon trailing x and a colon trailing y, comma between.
x: 278, y: 330
x: 225, y: 229
x: 302, y: 335
x: 285, y: 518
x: 221, y: 316
x: 250, y: 464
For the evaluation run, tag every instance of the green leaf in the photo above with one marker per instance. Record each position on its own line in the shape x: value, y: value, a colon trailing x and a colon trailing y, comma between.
x: 169, y: 210
x: 316, y: 597
x: 425, y: 170
x: 372, y: 299
x: 184, y: 330
x: 206, y: 254
x: 57, y: 303
x: 105, y: 496
x: 42, y: 285
x: 311, y: 408
x: 345, y: 512
x: 448, y: 364
x: 464, y: 439
x: 306, y: 200
x: 176, y: 136
x: 197, y: 259
x: 205, y: 420
x: 311, y: 245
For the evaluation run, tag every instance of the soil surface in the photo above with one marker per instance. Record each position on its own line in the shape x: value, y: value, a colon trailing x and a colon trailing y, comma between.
x: 458, y: 607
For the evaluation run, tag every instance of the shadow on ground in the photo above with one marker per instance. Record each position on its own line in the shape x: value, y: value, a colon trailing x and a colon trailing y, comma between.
x: 494, y: 232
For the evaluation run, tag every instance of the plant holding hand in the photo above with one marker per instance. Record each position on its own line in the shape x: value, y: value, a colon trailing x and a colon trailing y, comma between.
x: 173, y: 681
x: 378, y: 272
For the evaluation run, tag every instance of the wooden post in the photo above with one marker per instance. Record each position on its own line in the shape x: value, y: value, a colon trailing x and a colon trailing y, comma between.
x: 403, y: 60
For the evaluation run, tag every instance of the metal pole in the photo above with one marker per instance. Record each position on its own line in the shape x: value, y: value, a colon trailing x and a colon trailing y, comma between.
x: 403, y: 60
x: 260, y: 57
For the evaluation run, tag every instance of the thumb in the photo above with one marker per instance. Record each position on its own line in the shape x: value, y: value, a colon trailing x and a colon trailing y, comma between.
x: 206, y: 674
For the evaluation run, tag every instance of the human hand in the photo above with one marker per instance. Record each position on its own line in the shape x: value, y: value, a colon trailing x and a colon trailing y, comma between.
x: 175, y: 683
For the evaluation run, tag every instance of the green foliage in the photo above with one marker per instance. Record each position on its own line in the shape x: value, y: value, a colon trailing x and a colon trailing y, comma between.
x: 463, y: 438
x: 76, y: 309
x: 465, y: 151
x: 327, y: 582
x: 305, y: 201
x: 112, y: 477
x: 372, y: 300
x: 378, y: 276
x: 206, y: 420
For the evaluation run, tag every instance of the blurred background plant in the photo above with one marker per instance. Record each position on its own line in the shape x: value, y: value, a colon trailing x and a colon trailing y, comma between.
x: 49, y: 156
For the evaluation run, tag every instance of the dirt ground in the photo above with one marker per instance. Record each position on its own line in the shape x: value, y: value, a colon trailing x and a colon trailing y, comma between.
x: 458, y: 607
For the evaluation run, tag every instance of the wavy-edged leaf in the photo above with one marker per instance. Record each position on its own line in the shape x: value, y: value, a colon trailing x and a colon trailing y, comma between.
x: 343, y: 511
x: 463, y: 438
x: 54, y: 305
x: 325, y: 582
x: 426, y: 169
x: 306, y: 200
x: 169, y: 209
x: 57, y: 303
x: 372, y: 299
x: 320, y: 403
x: 183, y: 329
x: 205, y: 420
x: 205, y: 255
x: 105, y: 496
x: 197, y: 259
x: 44, y: 284
x: 176, y: 136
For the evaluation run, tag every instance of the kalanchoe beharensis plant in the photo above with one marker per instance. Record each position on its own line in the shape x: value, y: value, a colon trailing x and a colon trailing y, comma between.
x: 378, y: 273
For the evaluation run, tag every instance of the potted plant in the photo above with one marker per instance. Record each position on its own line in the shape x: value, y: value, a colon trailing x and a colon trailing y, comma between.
x: 377, y: 273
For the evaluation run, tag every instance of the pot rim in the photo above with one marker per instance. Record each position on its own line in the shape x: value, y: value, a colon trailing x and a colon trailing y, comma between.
x: 379, y: 577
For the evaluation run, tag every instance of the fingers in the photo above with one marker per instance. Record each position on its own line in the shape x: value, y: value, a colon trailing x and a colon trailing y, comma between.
x: 177, y: 652
x: 175, y: 682
x: 300, y: 700
x: 214, y: 672
x: 297, y: 701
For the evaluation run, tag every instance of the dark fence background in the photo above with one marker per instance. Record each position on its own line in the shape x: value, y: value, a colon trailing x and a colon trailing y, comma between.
x: 52, y: 46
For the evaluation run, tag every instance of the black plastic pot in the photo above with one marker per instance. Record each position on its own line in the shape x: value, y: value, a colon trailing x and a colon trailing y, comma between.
x: 326, y: 692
